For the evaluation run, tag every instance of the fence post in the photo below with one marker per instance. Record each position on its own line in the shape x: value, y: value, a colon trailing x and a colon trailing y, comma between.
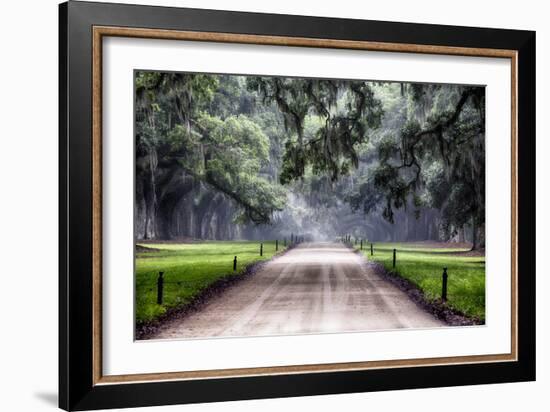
x: 276, y: 245
x: 394, y: 258
x: 261, y: 249
x: 284, y: 242
x: 235, y: 264
x: 444, y: 286
x: 160, y: 288
x: 371, y: 249
x: 361, y: 244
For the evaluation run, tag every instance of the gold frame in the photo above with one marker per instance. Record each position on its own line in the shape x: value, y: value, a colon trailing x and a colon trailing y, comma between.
x: 101, y: 31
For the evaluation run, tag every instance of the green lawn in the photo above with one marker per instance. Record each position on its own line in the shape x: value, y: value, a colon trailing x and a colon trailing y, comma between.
x: 423, y: 266
x: 188, y: 269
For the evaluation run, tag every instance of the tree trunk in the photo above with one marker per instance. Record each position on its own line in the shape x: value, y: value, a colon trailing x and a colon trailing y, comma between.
x: 461, y: 235
x: 474, y: 234
x: 151, y: 198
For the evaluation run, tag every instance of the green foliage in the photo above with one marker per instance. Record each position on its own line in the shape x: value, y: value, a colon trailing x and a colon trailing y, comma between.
x: 236, y: 148
x: 188, y: 270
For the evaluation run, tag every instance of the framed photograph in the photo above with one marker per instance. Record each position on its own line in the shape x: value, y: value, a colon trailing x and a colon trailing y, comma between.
x: 257, y: 205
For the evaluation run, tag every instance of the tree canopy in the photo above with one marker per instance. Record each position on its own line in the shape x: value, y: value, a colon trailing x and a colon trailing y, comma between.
x: 346, y: 112
x: 433, y: 157
x: 378, y: 148
x: 184, y: 125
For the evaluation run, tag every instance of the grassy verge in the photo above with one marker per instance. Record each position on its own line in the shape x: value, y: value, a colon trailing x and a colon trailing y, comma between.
x: 423, y: 266
x: 188, y: 270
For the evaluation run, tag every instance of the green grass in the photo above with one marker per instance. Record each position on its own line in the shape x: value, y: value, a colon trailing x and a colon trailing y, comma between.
x: 188, y: 270
x: 423, y: 266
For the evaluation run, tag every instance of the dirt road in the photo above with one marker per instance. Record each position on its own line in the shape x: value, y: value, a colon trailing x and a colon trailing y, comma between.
x: 313, y: 288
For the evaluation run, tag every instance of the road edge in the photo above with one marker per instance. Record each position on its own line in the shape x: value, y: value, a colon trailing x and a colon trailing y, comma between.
x: 438, y: 309
x: 147, y: 330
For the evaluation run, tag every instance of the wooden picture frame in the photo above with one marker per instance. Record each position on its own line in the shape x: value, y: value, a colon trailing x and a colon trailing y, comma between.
x: 82, y: 27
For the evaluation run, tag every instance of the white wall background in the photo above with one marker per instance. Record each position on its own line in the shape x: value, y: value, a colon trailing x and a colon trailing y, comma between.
x: 28, y: 205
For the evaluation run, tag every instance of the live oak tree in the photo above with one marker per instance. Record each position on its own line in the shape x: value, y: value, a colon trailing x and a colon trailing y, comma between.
x: 177, y: 137
x: 434, y: 157
x: 218, y: 153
